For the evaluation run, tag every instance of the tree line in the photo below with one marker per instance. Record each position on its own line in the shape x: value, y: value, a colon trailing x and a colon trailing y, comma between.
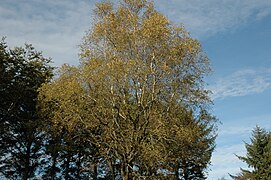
x: 135, y: 107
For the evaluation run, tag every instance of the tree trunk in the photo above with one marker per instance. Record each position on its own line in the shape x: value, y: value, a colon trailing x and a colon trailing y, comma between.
x: 78, y: 168
x: 95, y: 171
x: 177, y: 171
x: 113, y: 168
x: 53, y: 168
x: 54, y: 155
x: 67, y: 167
x: 26, y: 172
x: 124, y: 171
x: 185, y: 172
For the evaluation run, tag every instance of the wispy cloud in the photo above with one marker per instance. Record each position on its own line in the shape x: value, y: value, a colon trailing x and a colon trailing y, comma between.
x: 242, y: 83
x: 208, y: 17
x: 55, y: 27
x: 240, y: 129
x: 225, y: 155
x: 225, y: 161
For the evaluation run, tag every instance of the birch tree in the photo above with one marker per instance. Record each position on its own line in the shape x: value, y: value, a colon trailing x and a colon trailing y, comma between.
x: 139, y: 87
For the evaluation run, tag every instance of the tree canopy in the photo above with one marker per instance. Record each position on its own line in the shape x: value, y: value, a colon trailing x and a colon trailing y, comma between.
x: 22, y: 71
x: 135, y: 107
x: 137, y: 97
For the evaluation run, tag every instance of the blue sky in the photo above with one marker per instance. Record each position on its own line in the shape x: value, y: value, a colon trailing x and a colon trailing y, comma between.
x: 235, y: 34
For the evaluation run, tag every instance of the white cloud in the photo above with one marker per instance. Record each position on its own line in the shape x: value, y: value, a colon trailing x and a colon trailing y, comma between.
x: 54, y: 27
x: 226, y: 155
x: 241, y: 129
x: 224, y: 161
x: 242, y: 83
x: 57, y: 27
x: 208, y: 17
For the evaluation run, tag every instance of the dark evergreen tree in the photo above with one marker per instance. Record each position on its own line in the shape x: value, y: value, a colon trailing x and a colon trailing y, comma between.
x: 258, y: 156
x: 193, y: 155
x: 22, y: 71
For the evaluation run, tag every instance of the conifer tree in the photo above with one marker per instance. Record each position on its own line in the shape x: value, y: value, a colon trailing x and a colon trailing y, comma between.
x: 22, y: 71
x: 258, y: 156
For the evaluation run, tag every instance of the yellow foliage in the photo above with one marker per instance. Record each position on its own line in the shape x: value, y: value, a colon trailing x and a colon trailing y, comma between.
x: 140, y: 83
